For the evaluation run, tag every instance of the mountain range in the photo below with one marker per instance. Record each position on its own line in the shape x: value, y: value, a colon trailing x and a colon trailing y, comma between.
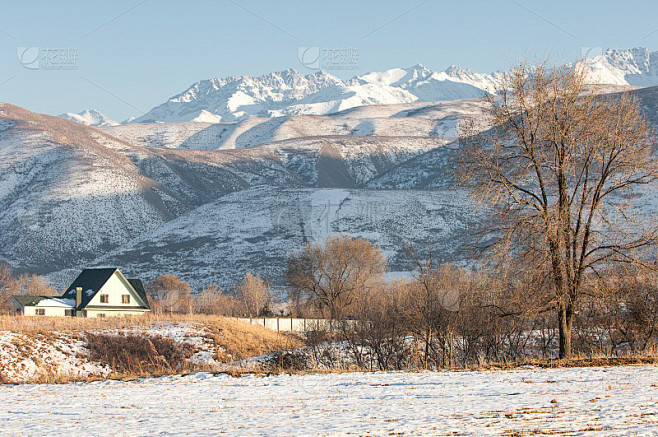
x: 289, y: 92
x: 293, y: 93
x: 294, y: 159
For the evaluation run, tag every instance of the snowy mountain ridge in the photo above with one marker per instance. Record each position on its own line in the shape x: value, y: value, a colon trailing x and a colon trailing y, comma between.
x: 90, y: 117
x: 635, y: 67
x: 290, y: 92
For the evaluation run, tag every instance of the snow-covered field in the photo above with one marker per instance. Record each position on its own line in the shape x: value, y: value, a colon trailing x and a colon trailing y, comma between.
x: 576, y: 401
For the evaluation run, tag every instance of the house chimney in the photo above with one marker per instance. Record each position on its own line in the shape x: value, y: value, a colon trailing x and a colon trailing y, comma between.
x: 78, y: 297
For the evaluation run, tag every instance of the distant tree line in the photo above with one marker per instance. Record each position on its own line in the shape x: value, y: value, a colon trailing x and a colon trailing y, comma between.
x: 447, y: 316
x: 252, y: 297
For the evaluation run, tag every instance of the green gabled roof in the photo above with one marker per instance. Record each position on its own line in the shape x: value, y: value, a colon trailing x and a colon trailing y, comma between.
x: 139, y: 289
x: 30, y: 300
x: 89, y: 279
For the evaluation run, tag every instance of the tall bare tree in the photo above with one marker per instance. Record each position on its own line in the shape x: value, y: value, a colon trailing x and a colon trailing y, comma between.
x: 558, y: 173
x: 253, y: 295
x: 334, y: 273
x: 7, y: 286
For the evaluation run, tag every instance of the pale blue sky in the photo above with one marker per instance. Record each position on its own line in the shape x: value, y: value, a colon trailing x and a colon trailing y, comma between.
x: 134, y: 54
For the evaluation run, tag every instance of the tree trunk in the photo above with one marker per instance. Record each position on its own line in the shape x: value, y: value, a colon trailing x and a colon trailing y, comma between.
x: 428, y: 339
x: 565, y: 317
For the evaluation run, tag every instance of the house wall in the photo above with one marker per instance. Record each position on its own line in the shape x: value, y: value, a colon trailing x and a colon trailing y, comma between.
x: 114, y: 313
x: 50, y: 311
x: 115, y: 287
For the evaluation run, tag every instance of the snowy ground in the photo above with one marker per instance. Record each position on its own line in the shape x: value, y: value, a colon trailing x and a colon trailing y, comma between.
x: 581, y: 401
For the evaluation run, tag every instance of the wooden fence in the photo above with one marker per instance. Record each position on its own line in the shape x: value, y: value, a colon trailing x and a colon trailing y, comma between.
x: 294, y: 324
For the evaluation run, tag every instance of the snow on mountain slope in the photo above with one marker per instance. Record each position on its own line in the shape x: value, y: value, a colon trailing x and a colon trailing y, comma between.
x: 255, y: 230
x: 90, y: 118
x: 166, y: 135
x: 257, y: 131
x: 235, y: 98
x: 199, y: 177
x: 72, y: 195
x: 64, y: 198
x: 69, y: 193
x: 427, y: 119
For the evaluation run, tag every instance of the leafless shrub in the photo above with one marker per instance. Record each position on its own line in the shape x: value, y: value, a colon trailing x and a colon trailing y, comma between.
x: 254, y: 297
x: 140, y: 355
x: 24, y: 284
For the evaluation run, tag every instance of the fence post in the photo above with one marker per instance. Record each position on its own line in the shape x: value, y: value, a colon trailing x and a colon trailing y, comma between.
x: 277, y: 325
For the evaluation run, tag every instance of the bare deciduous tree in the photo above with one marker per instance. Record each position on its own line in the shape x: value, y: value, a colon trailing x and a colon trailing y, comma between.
x: 34, y: 285
x: 213, y: 300
x: 333, y: 273
x: 433, y: 305
x: 7, y: 286
x: 168, y: 293
x: 557, y: 173
x: 253, y: 295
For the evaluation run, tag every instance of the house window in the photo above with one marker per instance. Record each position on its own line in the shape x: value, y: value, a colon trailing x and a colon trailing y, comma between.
x: 105, y: 298
x: 69, y: 313
x: 40, y: 311
x: 125, y: 298
x: 100, y: 315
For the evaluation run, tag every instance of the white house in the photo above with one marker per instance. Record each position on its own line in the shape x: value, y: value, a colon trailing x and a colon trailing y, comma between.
x: 94, y: 293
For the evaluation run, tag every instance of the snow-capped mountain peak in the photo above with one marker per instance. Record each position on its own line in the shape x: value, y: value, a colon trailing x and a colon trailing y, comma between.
x: 88, y: 117
x: 290, y: 92
x: 637, y: 67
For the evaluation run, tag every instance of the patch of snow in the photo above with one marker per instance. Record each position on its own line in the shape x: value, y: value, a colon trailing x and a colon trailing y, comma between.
x: 56, y: 302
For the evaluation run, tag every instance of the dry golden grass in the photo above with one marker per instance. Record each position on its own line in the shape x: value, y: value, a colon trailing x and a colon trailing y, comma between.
x: 240, y: 340
x: 575, y: 361
x: 40, y: 325
x: 232, y: 340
